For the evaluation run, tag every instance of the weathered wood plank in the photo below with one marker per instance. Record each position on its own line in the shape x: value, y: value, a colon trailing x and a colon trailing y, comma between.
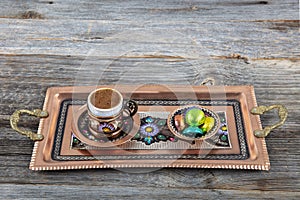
x: 184, y: 178
x: 255, y: 40
x: 63, y: 191
x: 26, y: 78
x: 29, y: 191
x: 143, y: 11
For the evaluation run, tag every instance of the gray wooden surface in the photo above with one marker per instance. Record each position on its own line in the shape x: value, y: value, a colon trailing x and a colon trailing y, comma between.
x: 64, y: 43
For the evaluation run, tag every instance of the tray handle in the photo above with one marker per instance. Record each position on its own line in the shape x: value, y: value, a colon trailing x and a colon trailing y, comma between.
x: 208, y: 81
x: 15, y: 117
x: 259, y: 110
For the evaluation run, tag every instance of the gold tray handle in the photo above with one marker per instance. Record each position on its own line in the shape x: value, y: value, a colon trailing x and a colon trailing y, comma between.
x: 282, y: 113
x: 15, y: 117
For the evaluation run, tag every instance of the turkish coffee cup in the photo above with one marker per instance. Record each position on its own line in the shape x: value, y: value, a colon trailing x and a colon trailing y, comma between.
x: 107, y: 110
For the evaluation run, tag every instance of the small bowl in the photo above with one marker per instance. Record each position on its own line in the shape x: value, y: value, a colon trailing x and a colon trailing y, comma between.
x: 178, y: 130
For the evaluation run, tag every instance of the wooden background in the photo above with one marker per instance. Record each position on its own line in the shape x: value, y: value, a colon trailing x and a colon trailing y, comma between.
x: 47, y: 43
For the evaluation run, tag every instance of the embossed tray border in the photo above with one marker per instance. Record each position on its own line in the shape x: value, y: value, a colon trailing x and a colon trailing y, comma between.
x: 239, y: 124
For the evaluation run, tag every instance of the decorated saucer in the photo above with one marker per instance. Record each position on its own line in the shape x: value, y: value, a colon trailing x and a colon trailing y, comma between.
x: 81, y: 129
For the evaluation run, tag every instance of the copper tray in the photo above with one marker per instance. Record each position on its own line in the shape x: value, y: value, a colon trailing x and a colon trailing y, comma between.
x: 241, y: 150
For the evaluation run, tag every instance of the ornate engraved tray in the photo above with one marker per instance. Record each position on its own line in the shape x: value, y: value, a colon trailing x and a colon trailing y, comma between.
x: 234, y: 146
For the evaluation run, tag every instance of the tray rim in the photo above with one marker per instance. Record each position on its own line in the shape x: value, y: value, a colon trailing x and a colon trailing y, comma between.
x: 255, y: 121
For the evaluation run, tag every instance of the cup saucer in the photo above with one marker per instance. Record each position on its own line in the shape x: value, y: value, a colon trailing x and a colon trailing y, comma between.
x: 80, y: 128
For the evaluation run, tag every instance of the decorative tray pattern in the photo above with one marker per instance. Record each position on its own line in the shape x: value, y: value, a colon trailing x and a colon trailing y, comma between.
x: 233, y: 146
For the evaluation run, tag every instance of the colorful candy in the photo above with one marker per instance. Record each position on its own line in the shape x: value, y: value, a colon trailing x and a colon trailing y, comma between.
x: 208, y: 124
x: 193, y: 131
x: 194, y: 122
x: 194, y: 117
x: 179, y: 122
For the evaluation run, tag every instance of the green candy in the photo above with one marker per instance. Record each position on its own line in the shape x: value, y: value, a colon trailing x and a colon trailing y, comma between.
x: 195, y: 117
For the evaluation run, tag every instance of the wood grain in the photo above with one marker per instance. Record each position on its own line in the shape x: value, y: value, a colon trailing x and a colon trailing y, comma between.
x: 63, y: 43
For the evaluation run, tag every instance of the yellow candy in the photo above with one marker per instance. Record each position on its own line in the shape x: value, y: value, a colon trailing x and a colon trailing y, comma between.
x: 208, y: 123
